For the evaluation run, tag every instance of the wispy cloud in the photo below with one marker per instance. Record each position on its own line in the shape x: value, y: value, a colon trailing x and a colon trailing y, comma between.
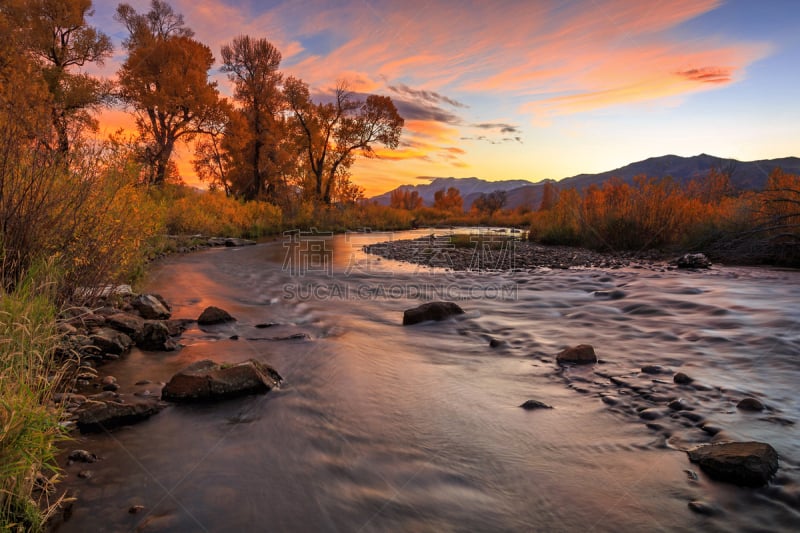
x: 431, y: 97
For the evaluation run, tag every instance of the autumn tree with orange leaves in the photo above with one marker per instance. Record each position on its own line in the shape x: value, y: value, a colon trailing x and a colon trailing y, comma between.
x: 331, y: 134
x: 164, y: 80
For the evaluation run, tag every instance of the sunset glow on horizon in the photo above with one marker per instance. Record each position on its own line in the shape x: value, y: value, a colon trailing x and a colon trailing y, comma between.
x: 527, y: 89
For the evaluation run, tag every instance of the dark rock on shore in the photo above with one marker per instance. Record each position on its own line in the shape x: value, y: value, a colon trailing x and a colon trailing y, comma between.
x: 214, y: 315
x: 155, y: 337
x: 126, y: 323
x: 229, y: 242
x: 693, y: 261
x: 431, y: 311
x: 150, y: 306
x: 582, y: 354
x: 207, y: 380
x: 100, y: 415
x: 742, y: 463
x: 111, y: 341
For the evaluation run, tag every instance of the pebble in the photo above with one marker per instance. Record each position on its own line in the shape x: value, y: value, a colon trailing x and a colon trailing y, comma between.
x: 682, y: 379
x: 750, y: 404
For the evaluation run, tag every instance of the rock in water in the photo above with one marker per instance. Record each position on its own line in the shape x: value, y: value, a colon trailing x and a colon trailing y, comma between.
x: 682, y: 379
x: 97, y: 415
x: 126, y: 323
x: 154, y: 336
x: 207, y: 380
x: 743, y: 463
x: 693, y: 261
x: 535, y: 404
x: 109, y: 340
x: 582, y: 354
x: 750, y: 404
x: 431, y: 311
x: 150, y: 307
x: 214, y: 315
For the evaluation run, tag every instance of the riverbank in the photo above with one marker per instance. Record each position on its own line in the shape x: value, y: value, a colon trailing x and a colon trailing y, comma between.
x: 486, y: 251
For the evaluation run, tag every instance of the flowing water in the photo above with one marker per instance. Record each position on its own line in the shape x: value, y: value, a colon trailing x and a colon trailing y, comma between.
x: 380, y: 427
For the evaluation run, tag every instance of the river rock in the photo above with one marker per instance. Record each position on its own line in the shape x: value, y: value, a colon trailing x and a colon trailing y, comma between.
x: 81, y: 456
x: 431, y: 311
x: 581, y: 354
x: 214, y: 315
x: 100, y: 415
x: 126, y: 323
x: 535, y: 404
x: 155, y: 337
x: 207, y: 380
x: 177, y: 326
x: 111, y: 341
x: 682, y: 379
x: 742, y: 463
x: 750, y: 404
x: 693, y: 261
x: 150, y: 306
x: 88, y: 320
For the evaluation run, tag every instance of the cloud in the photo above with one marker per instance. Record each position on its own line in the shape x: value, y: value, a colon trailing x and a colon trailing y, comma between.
x: 432, y: 97
x: 708, y: 74
x: 503, y: 128
x: 417, y: 111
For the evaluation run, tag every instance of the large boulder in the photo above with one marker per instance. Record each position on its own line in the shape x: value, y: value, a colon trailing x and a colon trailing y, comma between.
x: 100, y: 415
x: 214, y: 315
x: 693, y: 261
x: 742, y: 463
x: 109, y: 340
x: 126, y: 323
x: 150, y: 306
x: 582, y: 354
x: 431, y: 311
x: 207, y: 380
x: 155, y: 336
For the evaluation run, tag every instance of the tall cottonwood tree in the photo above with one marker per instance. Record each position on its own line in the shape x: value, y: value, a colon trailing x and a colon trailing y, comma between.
x: 57, y: 36
x: 332, y: 134
x: 252, y: 65
x: 165, y: 80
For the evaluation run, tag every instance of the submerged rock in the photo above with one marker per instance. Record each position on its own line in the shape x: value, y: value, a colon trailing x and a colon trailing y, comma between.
x: 742, y: 463
x: 535, y: 404
x: 97, y: 415
x: 214, y: 315
x: 582, y: 354
x: 207, y: 380
x: 81, y: 456
x: 431, y: 311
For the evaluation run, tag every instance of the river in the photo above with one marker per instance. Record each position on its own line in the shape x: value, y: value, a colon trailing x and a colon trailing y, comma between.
x: 380, y: 427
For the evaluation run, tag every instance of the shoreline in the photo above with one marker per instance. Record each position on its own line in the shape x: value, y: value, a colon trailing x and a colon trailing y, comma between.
x: 514, y: 254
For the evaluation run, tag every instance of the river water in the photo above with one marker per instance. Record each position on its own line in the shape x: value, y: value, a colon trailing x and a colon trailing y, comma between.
x: 380, y: 427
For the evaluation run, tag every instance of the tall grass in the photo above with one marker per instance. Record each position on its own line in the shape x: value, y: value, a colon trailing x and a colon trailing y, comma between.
x: 29, y: 429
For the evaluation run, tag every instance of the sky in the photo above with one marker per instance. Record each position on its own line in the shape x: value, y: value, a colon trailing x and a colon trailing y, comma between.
x: 528, y: 89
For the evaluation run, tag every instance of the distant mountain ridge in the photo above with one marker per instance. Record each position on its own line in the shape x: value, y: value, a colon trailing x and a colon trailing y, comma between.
x: 747, y: 175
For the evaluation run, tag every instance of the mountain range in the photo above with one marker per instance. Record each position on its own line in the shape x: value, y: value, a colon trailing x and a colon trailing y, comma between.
x: 746, y: 175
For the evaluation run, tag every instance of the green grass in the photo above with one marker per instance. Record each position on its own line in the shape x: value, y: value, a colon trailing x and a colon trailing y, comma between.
x: 29, y: 427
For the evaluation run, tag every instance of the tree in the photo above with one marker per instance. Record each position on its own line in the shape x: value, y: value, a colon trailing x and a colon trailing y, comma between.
x: 252, y: 65
x: 449, y: 201
x: 332, y: 134
x: 165, y: 80
x: 55, y: 33
x: 549, y: 196
x: 405, y: 199
x: 490, y: 203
